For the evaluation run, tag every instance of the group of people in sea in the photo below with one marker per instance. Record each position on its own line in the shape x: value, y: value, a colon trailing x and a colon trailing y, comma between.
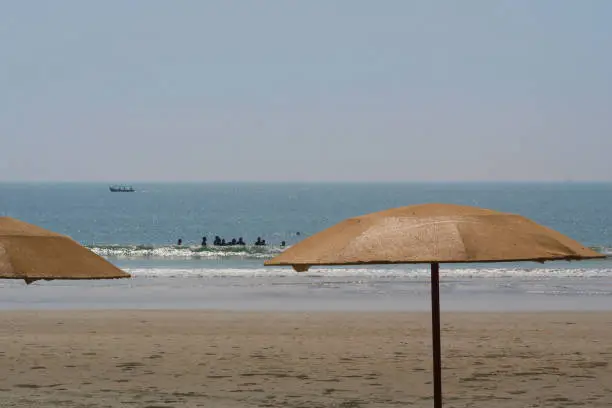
x: 221, y: 241
x: 218, y: 241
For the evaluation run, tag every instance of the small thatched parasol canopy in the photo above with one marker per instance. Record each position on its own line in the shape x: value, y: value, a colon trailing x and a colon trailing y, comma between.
x: 32, y: 253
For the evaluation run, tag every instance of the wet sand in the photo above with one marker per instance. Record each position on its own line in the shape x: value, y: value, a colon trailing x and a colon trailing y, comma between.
x: 160, y: 359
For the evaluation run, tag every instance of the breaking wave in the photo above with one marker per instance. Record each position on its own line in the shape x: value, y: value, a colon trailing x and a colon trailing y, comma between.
x: 186, y: 252
x: 209, y: 252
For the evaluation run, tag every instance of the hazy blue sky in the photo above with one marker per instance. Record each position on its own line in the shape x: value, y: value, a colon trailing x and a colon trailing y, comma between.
x: 305, y: 90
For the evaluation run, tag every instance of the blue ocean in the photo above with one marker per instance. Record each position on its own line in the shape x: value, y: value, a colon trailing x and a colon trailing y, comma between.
x: 139, y: 232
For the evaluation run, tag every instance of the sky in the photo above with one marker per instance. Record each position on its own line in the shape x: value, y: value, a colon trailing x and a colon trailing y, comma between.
x: 318, y: 90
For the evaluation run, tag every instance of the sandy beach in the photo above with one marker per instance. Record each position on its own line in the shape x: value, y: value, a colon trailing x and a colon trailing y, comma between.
x: 160, y: 359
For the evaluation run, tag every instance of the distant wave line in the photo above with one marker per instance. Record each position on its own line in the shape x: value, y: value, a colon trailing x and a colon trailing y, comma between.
x: 212, y: 251
x: 185, y: 251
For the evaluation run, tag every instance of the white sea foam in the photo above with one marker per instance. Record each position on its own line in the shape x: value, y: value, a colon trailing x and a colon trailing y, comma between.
x: 186, y: 252
x: 375, y: 273
x: 208, y: 252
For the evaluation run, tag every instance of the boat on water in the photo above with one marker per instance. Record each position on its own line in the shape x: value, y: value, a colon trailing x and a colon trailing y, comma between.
x: 121, y: 189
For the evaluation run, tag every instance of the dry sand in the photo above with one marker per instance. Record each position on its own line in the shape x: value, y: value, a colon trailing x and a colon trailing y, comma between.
x: 224, y: 359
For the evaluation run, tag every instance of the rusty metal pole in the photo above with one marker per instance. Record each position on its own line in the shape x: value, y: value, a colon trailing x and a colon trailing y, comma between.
x: 435, y: 330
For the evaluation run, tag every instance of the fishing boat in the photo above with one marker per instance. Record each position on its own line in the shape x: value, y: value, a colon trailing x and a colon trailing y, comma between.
x: 121, y: 189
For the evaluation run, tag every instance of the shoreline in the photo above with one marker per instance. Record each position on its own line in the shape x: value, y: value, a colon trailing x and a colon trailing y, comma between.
x: 232, y: 359
x: 306, y: 294
x: 121, y: 313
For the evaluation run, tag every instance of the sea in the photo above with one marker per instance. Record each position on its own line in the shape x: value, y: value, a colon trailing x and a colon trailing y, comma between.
x: 139, y: 231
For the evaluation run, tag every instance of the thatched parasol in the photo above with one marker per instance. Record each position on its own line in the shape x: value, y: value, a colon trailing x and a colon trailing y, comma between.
x: 32, y: 253
x: 434, y: 234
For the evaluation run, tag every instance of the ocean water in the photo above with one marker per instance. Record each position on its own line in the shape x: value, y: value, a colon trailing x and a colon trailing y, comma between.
x: 138, y: 232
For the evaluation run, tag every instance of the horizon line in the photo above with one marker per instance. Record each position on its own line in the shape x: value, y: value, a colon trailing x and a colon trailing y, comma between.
x: 111, y: 182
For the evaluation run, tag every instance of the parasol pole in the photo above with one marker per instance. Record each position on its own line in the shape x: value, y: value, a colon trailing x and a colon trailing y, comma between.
x: 435, y: 331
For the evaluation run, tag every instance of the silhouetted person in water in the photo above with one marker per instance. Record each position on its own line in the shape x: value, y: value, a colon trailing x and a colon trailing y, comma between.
x: 282, y: 243
x: 240, y: 241
x: 180, y: 242
x: 233, y: 241
x: 217, y: 240
x: 263, y: 242
x: 297, y: 233
x: 223, y: 242
x: 203, y: 241
x: 258, y: 242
